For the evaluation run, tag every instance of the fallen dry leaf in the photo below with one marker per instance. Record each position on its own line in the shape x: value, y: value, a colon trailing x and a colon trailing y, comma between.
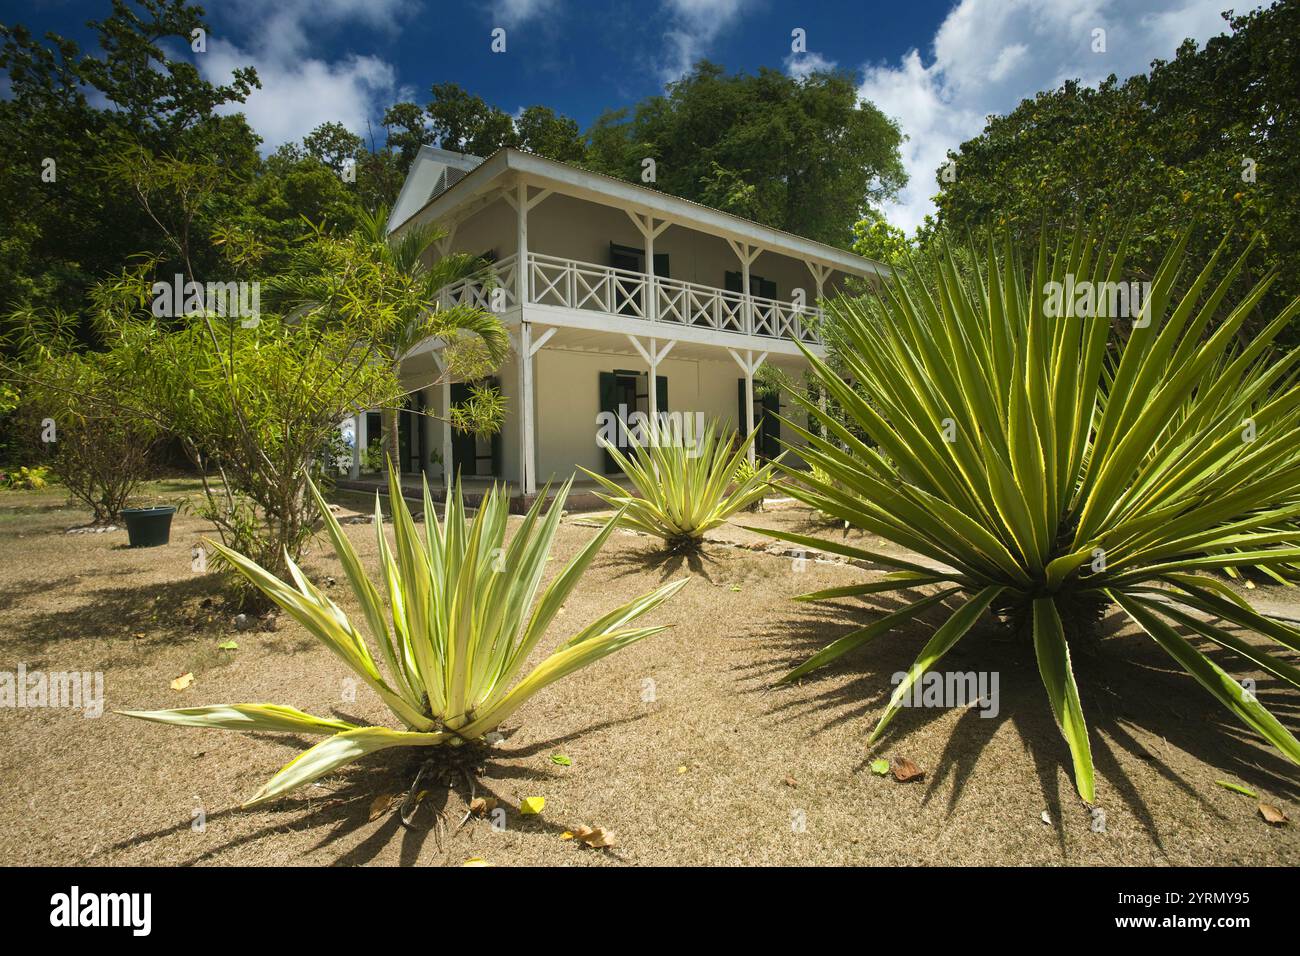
x: 1271, y: 814
x: 476, y: 861
x: 904, y: 770
x: 482, y: 806
x: 596, y: 837
x: 379, y: 806
x: 790, y: 781
x: 185, y: 680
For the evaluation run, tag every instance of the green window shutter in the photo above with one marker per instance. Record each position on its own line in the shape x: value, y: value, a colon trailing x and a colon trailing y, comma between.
x: 770, y: 431
x: 661, y: 392
x: 733, y: 282
x: 661, y: 265
x: 608, y: 399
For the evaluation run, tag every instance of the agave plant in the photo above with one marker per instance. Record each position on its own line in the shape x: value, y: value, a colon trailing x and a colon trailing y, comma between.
x: 684, y: 488
x: 747, y: 471
x: 460, y: 625
x: 1031, y: 481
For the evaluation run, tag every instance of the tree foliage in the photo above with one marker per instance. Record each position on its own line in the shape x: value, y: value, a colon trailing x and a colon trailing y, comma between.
x: 804, y: 155
x: 1209, y: 136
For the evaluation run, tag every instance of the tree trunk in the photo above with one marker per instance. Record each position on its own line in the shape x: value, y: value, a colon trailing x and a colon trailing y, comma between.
x: 392, y: 440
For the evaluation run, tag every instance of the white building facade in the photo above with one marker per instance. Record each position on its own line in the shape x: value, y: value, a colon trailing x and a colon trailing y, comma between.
x: 605, y: 287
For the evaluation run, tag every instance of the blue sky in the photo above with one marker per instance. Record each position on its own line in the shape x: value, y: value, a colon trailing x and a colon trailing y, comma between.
x: 938, y: 66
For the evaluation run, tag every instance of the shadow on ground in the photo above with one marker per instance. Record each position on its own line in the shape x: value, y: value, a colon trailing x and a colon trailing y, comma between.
x: 1136, y: 700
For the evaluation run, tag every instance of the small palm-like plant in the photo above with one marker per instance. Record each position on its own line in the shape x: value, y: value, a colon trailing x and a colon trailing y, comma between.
x: 684, y: 489
x: 457, y: 633
x: 1052, y: 468
x: 746, y: 471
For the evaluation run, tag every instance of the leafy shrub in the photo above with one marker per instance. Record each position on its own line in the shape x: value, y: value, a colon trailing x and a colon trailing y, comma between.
x: 1053, y: 484
x: 683, y: 490
x: 24, y: 478
x: 101, y: 450
x: 459, y: 601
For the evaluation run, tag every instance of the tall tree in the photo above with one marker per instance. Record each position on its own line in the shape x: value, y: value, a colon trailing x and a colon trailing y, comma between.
x: 63, y: 225
x: 805, y: 155
x: 1208, y: 137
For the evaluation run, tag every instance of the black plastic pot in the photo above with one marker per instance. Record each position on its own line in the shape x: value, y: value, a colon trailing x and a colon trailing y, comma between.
x: 148, y: 527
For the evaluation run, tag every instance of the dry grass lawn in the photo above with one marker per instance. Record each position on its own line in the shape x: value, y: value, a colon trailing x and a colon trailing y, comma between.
x: 679, y: 744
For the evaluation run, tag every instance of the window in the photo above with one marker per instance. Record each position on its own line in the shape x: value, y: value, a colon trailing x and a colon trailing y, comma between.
x: 763, y: 288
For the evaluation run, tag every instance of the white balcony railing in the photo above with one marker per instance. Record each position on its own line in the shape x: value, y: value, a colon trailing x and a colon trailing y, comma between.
x: 570, y: 284
x: 497, y: 283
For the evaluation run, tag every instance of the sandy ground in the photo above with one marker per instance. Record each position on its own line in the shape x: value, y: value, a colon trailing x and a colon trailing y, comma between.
x: 679, y: 744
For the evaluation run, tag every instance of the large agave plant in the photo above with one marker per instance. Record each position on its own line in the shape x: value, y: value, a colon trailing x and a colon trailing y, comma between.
x: 460, y: 624
x: 1051, y: 469
x: 684, y: 489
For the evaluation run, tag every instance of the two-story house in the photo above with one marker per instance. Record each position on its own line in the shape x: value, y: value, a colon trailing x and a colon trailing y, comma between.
x: 605, y: 287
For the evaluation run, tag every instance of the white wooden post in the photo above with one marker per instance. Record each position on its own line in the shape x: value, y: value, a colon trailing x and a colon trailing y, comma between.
x: 362, y: 438
x: 445, y: 390
x: 746, y: 254
x: 649, y: 232
x: 653, y: 356
x: 749, y: 365
x: 651, y: 298
x: 527, y: 483
x: 354, y: 470
x: 521, y: 253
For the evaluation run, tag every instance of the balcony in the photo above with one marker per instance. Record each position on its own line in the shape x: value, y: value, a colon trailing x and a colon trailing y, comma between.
x: 584, y: 286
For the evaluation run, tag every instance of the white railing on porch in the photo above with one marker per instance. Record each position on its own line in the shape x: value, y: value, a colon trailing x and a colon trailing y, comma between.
x: 498, y: 281
x: 570, y: 284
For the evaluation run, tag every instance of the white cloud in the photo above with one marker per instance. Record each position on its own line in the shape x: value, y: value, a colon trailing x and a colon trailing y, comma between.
x: 301, y: 90
x: 802, y: 65
x: 693, y: 26
x: 512, y: 13
x: 987, y: 55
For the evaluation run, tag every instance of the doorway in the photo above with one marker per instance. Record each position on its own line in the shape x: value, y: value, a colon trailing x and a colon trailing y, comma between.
x: 472, y: 455
x: 623, y: 392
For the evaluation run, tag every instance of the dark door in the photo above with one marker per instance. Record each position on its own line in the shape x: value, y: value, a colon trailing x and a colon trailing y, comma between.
x: 767, y: 445
x: 621, y: 393
x: 410, y: 434
x: 473, y: 455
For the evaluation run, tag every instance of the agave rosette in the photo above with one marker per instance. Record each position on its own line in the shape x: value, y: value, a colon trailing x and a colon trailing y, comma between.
x: 683, y: 489
x: 1054, y: 468
x: 463, y: 617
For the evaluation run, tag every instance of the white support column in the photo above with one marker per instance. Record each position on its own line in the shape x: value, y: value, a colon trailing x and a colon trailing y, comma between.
x: 527, y: 348
x: 749, y: 365
x: 443, y: 245
x: 521, y: 257
x: 362, y: 438
x: 746, y: 254
x: 445, y: 393
x: 653, y: 355
x: 650, y: 230
x: 354, y: 470
x: 526, y: 444
x: 820, y: 273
